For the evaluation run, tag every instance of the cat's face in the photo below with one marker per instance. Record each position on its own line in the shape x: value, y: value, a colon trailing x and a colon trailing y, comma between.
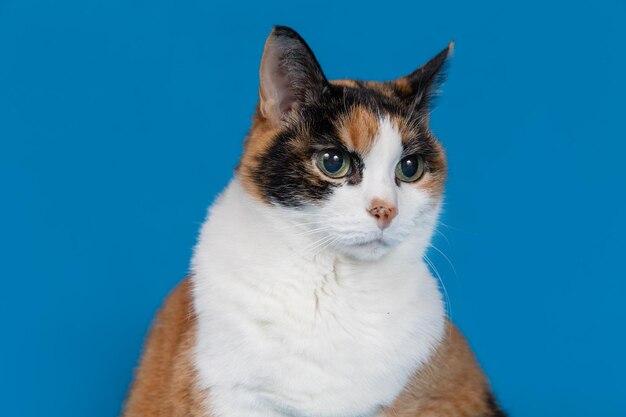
x: 353, y: 162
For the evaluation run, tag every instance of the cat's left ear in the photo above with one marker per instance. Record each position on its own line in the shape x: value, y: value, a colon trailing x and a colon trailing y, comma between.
x: 290, y: 75
x: 420, y: 87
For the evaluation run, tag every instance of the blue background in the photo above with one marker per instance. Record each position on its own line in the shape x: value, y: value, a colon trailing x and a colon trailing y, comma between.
x: 120, y: 121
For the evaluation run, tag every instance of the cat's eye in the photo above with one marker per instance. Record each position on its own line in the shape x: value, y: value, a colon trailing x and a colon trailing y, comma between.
x: 410, y: 168
x: 333, y: 162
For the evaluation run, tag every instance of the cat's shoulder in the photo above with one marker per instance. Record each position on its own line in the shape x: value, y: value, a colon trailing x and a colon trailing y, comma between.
x: 176, y: 319
x: 165, y: 382
x: 452, y: 380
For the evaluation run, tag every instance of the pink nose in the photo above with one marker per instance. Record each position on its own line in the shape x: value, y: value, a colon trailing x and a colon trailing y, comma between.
x: 383, y: 212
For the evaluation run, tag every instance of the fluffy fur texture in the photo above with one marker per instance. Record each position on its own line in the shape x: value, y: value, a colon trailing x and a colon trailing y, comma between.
x: 288, y: 331
x: 308, y: 295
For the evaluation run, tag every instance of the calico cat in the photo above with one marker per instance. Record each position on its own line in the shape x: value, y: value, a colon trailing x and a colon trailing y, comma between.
x: 308, y: 295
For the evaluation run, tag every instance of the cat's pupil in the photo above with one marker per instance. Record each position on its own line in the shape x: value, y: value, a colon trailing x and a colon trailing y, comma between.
x: 409, y: 166
x: 333, y: 161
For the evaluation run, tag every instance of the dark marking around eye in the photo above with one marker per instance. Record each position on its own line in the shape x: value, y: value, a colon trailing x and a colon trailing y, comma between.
x: 285, y: 172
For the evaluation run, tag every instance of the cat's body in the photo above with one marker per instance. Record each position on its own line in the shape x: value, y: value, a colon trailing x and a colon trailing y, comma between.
x: 301, y: 302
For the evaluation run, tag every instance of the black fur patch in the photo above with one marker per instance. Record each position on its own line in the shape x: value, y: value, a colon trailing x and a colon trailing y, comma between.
x: 284, y: 173
x: 495, y: 410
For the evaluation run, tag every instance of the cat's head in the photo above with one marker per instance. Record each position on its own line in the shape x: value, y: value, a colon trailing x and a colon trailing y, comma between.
x: 353, y: 161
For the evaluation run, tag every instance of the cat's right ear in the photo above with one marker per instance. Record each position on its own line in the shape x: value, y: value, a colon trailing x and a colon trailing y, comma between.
x: 419, y: 88
x: 290, y: 75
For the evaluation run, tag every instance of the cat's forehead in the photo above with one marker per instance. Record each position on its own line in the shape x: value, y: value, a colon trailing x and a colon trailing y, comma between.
x: 357, y: 112
x: 358, y: 128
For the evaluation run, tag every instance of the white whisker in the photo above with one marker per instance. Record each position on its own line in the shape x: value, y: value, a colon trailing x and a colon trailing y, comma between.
x: 445, y: 291
x: 446, y: 258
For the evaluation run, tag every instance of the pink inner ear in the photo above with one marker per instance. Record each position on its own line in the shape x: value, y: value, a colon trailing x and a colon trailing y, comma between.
x: 289, y: 75
x: 276, y: 95
x: 287, y: 103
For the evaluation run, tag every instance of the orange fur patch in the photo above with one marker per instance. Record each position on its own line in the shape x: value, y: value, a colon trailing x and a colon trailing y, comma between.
x: 451, y: 384
x: 345, y: 83
x: 403, y: 85
x: 165, y: 382
x: 358, y: 129
x: 382, y: 88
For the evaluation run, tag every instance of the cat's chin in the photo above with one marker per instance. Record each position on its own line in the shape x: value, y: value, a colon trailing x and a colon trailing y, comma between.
x: 371, y: 250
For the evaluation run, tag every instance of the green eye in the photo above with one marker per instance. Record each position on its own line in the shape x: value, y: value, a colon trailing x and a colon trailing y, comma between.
x: 410, y: 168
x: 333, y: 162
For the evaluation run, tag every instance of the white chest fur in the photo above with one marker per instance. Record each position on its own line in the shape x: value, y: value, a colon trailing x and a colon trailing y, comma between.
x: 284, y: 331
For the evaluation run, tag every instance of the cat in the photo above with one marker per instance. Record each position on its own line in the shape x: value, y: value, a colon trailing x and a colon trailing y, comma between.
x: 308, y: 294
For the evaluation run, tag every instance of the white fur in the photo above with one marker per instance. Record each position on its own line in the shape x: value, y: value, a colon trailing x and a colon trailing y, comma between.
x: 316, y: 312
x: 380, y: 165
